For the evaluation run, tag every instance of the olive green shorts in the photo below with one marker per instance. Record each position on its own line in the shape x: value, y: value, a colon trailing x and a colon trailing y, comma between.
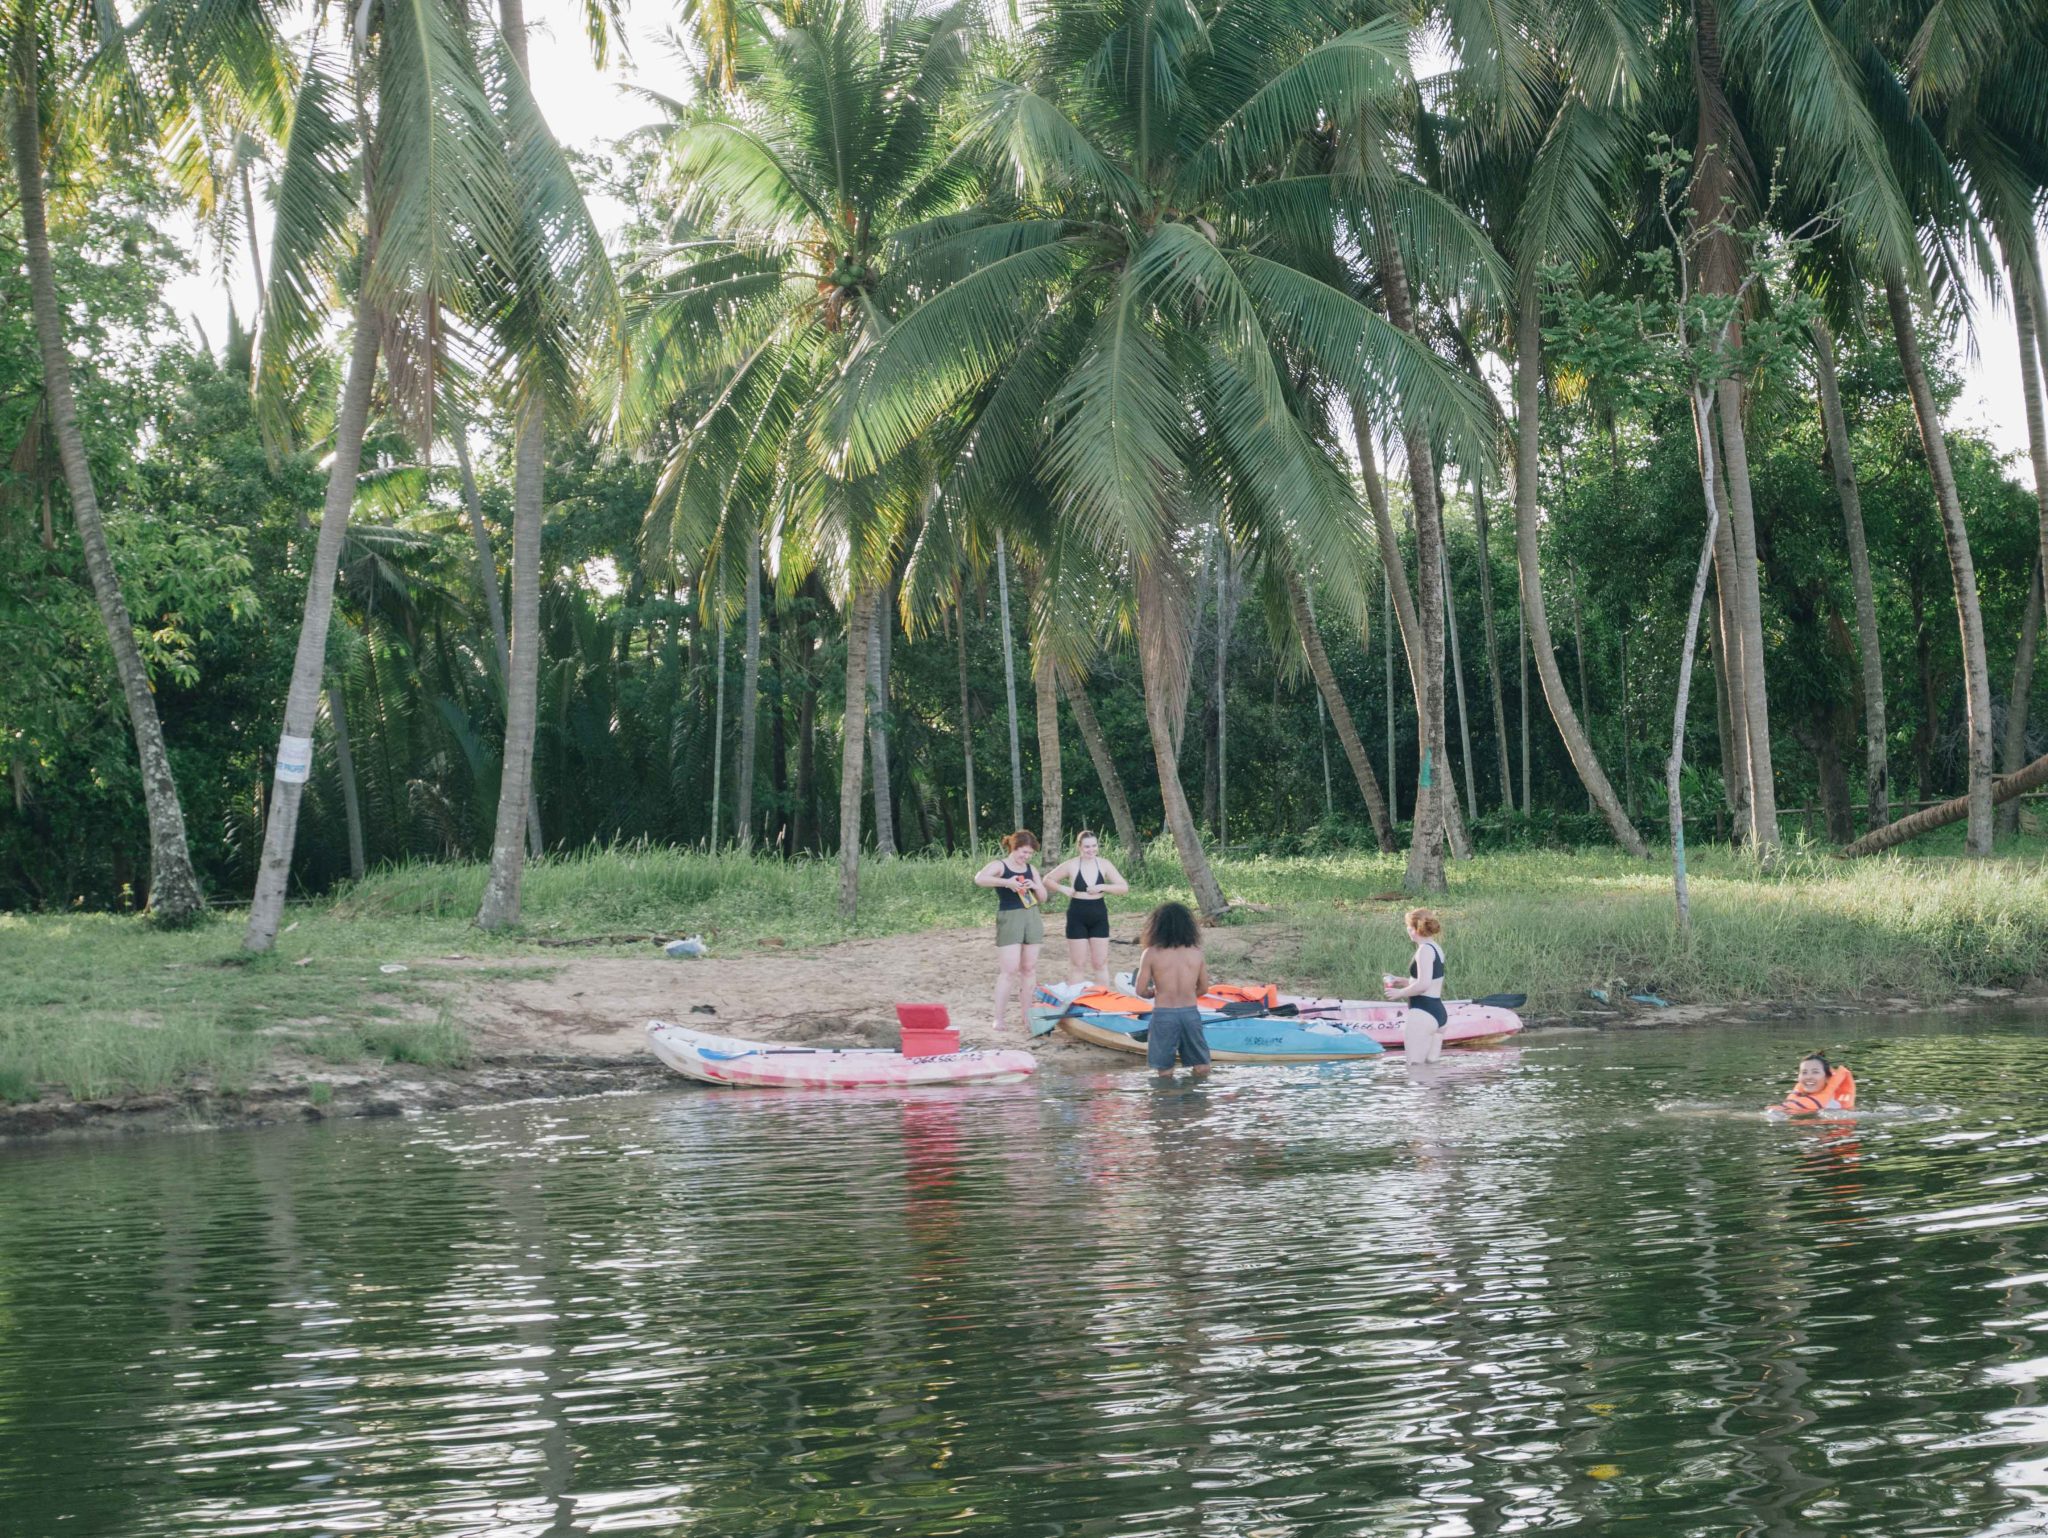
x: 1020, y: 926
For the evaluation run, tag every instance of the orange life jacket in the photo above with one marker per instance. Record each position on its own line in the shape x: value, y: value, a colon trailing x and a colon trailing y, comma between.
x: 1220, y: 994
x: 1110, y: 1002
x: 1839, y: 1093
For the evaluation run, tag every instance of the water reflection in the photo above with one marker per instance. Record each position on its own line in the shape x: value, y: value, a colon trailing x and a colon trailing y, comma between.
x: 1506, y: 1294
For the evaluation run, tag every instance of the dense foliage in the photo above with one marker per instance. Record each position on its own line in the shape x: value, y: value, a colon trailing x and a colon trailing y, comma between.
x: 864, y: 396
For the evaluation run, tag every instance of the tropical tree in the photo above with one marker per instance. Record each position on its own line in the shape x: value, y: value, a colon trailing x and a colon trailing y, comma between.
x: 117, y: 82
x: 802, y: 187
x: 1114, y: 319
x: 398, y: 183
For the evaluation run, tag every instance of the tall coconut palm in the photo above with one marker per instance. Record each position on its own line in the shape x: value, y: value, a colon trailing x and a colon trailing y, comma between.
x: 105, y: 71
x: 806, y: 182
x: 397, y: 179
x: 1114, y: 317
x: 1551, y: 102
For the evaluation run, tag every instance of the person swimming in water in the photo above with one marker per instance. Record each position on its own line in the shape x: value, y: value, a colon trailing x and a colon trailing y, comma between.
x: 1820, y: 1087
x: 1422, y: 1026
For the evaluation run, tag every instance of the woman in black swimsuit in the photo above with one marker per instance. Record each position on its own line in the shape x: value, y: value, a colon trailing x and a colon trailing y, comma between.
x: 1088, y: 879
x: 1422, y: 1026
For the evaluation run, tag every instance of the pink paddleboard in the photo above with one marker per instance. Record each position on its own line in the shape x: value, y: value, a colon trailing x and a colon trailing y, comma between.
x: 734, y: 1061
x: 1382, y: 1021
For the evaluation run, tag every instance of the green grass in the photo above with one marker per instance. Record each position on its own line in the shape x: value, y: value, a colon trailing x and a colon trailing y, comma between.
x: 97, y: 1005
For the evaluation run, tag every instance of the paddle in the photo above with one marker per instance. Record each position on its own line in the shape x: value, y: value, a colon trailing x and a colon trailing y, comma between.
x: 1043, y: 1027
x: 1502, y: 1001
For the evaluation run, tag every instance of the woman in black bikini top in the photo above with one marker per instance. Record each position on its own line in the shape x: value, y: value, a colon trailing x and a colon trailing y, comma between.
x: 1422, y: 1027
x: 1088, y: 913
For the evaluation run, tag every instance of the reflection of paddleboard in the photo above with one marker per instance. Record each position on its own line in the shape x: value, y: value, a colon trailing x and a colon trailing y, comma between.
x: 1773, y: 1114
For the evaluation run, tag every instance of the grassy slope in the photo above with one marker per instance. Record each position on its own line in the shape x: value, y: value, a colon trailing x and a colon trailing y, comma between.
x: 98, y: 1004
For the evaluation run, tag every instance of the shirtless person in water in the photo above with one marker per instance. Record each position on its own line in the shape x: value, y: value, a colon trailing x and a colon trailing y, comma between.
x: 1173, y: 975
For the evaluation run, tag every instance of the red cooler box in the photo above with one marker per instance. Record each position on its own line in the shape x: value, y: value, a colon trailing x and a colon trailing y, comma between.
x: 927, y: 1030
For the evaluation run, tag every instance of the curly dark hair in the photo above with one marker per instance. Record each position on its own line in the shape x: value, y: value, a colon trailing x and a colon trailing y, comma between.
x: 1171, y: 927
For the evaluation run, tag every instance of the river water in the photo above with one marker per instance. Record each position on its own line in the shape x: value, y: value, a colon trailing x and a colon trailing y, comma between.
x: 1557, y: 1288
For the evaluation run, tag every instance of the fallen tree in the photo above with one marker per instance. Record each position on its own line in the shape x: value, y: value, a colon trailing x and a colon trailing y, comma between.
x: 2003, y: 789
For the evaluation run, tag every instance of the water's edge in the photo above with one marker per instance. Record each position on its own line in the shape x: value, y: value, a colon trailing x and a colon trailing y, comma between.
x: 374, y: 1090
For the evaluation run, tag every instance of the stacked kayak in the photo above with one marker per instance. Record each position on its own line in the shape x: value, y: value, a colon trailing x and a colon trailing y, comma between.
x: 1250, y: 1023
x: 736, y: 1062
x: 1232, y: 1039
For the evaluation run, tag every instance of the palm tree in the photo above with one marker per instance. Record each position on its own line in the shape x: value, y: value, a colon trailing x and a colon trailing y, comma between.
x: 565, y: 286
x: 396, y: 177
x: 1112, y: 320
x: 807, y: 181
x: 1549, y: 102
x: 238, y: 47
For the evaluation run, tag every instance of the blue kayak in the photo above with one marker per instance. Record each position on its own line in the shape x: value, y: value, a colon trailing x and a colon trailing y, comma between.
x: 1241, y: 1039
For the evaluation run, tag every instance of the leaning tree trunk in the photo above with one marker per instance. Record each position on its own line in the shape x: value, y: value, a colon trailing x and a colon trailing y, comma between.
x: 494, y: 601
x: 516, y: 794
x: 1500, y: 715
x: 878, y: 728
x: 1052, y: 789
x: 1402, y: 600
x: 860, y: 617
x: 309, y: 664
x: 1163, y: 663
x: 501, y: 906
x: 2003, y: 789
x: 1528, y: 371
x: 1010, y: 684
x: 1339, y: 712
x: 2014, y: 755
x: 1076, y: 691
x: 174, y: 895
x: 1728, y: 651
x: 1870, y: 653
x: 966, y: 721
x: 1976, y: 670
x: 750, y: 693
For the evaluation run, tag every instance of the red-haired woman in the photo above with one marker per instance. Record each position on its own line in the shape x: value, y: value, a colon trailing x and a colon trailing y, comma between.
x: 1020, y: 927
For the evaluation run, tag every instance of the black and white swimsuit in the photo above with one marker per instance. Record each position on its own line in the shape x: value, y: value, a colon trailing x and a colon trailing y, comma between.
x: 1432, y: 1007
x: 1088, y: 913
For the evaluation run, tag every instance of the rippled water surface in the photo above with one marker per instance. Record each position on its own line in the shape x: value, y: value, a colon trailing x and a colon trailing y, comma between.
x: 1545, y: 1290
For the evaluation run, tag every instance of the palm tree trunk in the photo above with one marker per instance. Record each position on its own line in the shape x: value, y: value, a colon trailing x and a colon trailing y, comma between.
x: 1528, y: 373
x: 345, y: 766
x: 1522, y: 633
x: 1076, y: 691
x: 1728, y: 650
x: 1754, y: 697
x: 1674, y: 763
x: 309, y: 664
x: 1332, y: 700
x: 174, y: 895
x: 1500, y: 715
x: 1571, y: 571
x: 494, y: 599
x: 878, y: 727
x: 1387, y: 652
x: 1010, y: 684
x: 967, y: 723
x: 1458, y: 678
x: 1045, y: 691
x: 1402, y: 603
x: 1976, y: 671
x: 501, y: 901
x: 1841, y: 461
x: 1163, y: 663
x: 860, y: 619
x: 750, y: 694
x: 717, y: 733
x: 2015, y: 753
x: 517, y: 798
x: 1224, y: 607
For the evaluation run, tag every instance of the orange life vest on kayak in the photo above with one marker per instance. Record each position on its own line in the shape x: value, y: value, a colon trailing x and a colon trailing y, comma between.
x: 1263, y: 994
x: 1839, y: 1093
x: 1109, y: 1001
